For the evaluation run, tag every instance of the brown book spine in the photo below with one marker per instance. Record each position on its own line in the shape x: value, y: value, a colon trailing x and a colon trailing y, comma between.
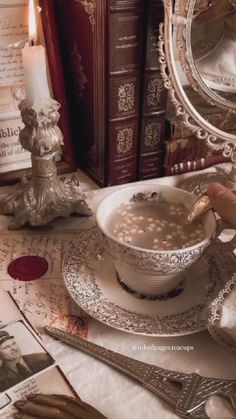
x: 154, y: 96
x: 102, y: 47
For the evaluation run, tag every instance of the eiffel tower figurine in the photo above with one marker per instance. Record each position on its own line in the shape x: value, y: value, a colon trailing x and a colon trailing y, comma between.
x: 186, y: 393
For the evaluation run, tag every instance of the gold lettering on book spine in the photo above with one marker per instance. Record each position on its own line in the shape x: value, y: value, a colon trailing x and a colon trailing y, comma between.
x: 152, y: 134
x: 125, y: 140
x: 126, y: 96
x: 89, y: 7
x: 155, y: 87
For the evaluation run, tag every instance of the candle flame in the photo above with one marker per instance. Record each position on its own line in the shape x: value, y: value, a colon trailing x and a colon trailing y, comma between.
x: 32, y: 23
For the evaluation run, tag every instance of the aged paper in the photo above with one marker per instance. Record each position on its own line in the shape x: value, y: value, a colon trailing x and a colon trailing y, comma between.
x: 10, y: 147
x: 13, y: 35
x: 45, y: 300
x: 10, y: 98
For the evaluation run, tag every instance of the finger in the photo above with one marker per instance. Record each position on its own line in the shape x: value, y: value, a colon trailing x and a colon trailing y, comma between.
x: 217, y: 407
x: 233, y: 399
x: 42, y: 411
x: 215, y: 11
x: 66, y: 404
x: 24, y: 416
x: 223, y: 201
x: 64, y: 407
x: 93, y: 413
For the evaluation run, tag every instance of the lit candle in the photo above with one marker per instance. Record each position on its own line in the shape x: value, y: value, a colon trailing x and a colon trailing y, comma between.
x: 35, y: 70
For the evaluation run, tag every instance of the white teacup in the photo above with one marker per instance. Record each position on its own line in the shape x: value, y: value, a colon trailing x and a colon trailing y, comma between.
x: 147, y: 271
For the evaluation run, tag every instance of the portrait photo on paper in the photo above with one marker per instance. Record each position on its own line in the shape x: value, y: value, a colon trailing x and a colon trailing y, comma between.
x: 21, y: 355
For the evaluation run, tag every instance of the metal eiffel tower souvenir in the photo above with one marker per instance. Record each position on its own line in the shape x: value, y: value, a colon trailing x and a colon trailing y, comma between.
x: 185, y: 393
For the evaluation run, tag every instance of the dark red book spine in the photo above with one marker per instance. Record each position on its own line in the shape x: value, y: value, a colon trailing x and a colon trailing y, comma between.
x: 154, y: 95
x: 194, y: 165
x: 57, y: 77
x: 102, y: 47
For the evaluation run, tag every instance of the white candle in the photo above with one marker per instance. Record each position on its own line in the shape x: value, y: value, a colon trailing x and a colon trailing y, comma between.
x: 35, y: 69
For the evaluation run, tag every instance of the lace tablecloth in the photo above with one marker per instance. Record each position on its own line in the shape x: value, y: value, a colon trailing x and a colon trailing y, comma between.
x: 116, y: 396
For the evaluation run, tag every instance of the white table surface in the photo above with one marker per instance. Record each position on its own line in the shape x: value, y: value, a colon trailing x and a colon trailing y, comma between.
x: 116, y: 396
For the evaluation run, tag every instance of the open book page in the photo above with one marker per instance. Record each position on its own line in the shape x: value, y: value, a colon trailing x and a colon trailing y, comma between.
x: 44, y: 301
x: 25, y: 365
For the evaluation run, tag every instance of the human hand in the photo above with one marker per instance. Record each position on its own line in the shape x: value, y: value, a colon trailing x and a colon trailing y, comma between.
x: 219, y: 408
x: 55, y: 407
x: 223, y: 201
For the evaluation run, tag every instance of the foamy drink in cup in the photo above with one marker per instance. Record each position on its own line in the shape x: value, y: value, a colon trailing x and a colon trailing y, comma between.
x: 150, y: 240
x: 155, y: 224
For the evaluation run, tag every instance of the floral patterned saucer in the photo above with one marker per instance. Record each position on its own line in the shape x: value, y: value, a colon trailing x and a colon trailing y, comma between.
x: 91, y: 280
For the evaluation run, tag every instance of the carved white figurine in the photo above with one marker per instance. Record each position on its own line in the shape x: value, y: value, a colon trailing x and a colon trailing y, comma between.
x: 41, y: 135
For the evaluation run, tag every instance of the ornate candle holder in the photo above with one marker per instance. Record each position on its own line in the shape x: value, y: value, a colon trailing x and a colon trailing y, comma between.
x: 44, y: 197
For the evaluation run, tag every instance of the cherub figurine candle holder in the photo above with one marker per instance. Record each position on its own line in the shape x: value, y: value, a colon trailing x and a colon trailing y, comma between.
x: 45, y: 196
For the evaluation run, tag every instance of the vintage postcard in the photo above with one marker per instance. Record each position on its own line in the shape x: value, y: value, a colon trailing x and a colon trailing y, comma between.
x: 26, y: 367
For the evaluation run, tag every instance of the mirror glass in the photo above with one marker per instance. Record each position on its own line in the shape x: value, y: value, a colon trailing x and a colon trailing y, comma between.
x: 205, y: 59
x: 213, y: 44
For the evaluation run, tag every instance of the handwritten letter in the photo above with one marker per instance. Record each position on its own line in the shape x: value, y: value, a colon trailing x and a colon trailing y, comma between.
x: 46, y: 299
x: 13, y: 34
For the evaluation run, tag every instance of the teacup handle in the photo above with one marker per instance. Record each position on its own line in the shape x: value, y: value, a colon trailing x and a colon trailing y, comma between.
x: 221, y: 225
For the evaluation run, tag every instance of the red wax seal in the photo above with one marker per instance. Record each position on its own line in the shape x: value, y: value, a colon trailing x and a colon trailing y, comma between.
x: 27, y: 268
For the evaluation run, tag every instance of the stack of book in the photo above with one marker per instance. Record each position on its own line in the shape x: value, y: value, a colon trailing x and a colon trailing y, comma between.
x: 183, y: 151
x: 117, y: 98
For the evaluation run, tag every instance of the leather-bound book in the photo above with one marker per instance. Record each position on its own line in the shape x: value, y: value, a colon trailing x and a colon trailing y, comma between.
x: 57, y: 81
x: 190, y: 154
x: 101, y: 42
x: 154, y: 97
x: 199, y: 164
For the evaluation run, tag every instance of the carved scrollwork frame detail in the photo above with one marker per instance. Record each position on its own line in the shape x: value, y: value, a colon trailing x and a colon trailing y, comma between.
x: 217, y: 139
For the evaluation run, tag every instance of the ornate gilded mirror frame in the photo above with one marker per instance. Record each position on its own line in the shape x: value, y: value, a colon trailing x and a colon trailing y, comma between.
x: 180, y: 22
